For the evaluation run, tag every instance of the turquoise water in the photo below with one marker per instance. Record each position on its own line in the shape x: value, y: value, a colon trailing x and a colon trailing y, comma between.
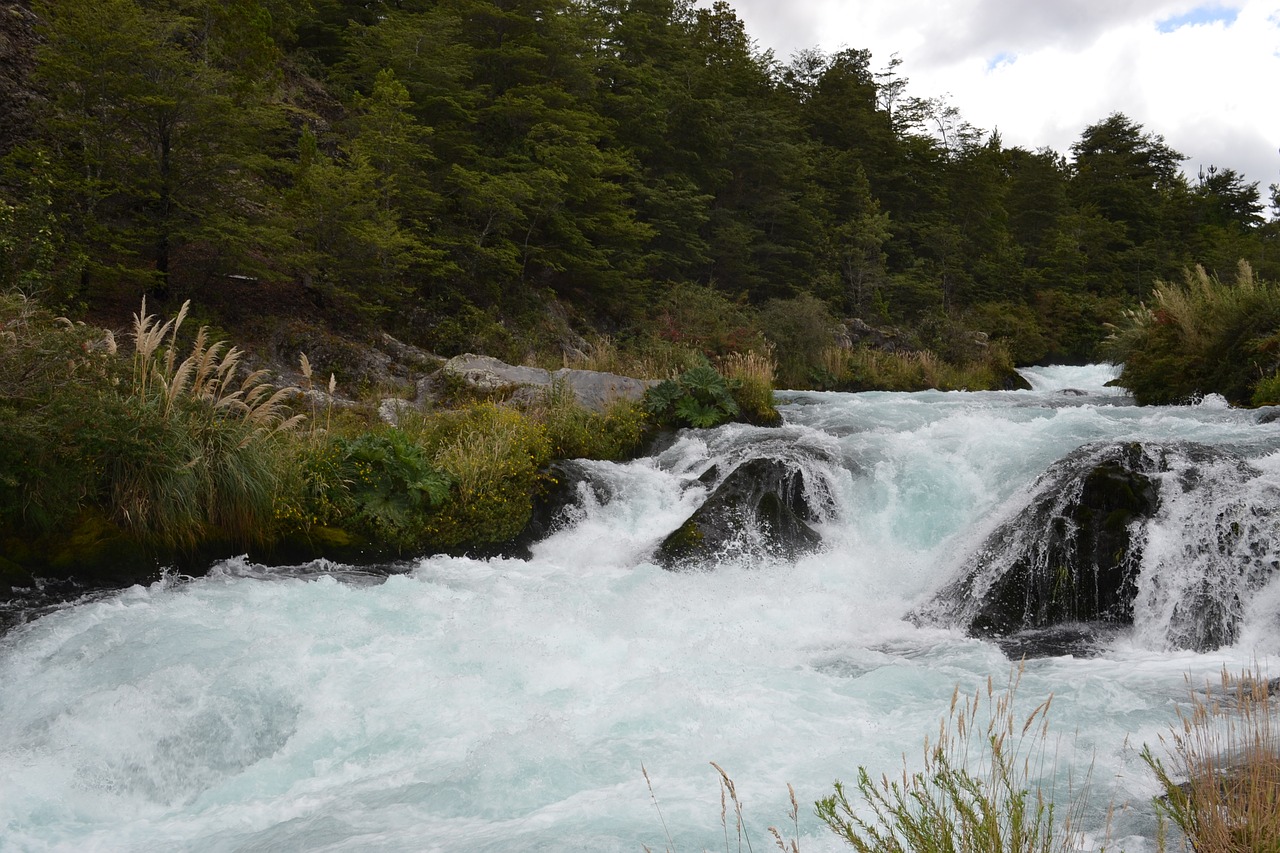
x: 506, y: 705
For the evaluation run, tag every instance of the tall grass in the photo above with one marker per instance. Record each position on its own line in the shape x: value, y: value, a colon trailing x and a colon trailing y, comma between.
x: 979, y: 791
x: 189, y: 452
x: 1200, y: 336
x: 575, y: 432
x: 862, y: 369
x: 751, y: 377
x: 647, y: 357
x: 1221, y: 768
x: 493, y: 455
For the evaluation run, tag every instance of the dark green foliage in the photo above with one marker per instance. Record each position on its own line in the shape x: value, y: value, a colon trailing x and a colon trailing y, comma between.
x: 700, y: 397
x: 1202, y: 337
x: 451, y: 168
x: 389, y: 487
x: 799, y: 329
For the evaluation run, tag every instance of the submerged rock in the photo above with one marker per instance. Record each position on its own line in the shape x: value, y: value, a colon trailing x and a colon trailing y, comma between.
x: 761, y: 505
x: 1075, y: 553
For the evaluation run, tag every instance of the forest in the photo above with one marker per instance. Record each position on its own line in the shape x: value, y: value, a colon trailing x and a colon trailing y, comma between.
x: 519, y: 177
x: 620, y: 185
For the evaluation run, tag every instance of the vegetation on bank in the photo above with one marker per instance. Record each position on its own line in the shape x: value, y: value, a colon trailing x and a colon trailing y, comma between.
x: 164, y: 445
x: 1203, y: 336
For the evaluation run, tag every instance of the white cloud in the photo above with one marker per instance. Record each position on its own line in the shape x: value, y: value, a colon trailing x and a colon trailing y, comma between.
x: 1042, y: 71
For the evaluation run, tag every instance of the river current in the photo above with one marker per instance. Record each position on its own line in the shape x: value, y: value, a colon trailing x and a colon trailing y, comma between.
x: 457, y: 704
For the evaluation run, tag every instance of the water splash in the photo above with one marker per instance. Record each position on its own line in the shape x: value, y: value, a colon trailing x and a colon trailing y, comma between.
x: 507, y: 705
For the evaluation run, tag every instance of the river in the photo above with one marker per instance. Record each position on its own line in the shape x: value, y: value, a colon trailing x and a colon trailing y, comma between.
x: 458, y: 704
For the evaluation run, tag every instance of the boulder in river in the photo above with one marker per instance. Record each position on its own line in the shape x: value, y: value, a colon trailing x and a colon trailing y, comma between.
x: 1075, y: 553
x: 760, y: 506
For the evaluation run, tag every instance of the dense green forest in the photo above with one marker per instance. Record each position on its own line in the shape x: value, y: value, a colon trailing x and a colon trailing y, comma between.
x: 483, y: 174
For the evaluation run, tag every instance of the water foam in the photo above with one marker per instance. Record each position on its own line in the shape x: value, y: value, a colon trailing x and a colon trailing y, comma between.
x: 504, y: 705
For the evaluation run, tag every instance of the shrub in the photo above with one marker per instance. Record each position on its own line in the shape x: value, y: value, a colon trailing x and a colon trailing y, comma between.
x: 493, y: 455
x: 951, y: 806
x: 707, y: 320
x: 1222, y: 788
x: 1013, y: 324
x: 389, y: 487
x: 49, y: 371
x: 1199, y: 338
x: 799, y: 330
x: 700, y: 397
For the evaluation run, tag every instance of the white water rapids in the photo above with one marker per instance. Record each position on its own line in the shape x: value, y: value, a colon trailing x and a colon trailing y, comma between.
x: 507, y: 705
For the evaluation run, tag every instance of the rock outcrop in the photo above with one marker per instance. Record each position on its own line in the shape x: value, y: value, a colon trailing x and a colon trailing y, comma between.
x: 593, y: 390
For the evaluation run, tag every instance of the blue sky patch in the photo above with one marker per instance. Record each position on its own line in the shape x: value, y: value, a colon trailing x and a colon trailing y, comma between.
x: 1003, y: 58
x: 1197, y: 17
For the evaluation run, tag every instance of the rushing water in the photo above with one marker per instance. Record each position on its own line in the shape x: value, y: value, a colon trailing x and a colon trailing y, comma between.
x: 506, y: 705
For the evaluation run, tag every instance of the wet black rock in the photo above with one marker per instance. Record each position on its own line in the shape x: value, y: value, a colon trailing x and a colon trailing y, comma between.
x: 566, y: 486
x: 1072, y: 556
x: 761, y: 506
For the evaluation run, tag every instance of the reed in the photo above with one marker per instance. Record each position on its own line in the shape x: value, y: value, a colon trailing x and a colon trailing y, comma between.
x: 979, y: 791
x: 190, y: 452
x: 1220, y: 772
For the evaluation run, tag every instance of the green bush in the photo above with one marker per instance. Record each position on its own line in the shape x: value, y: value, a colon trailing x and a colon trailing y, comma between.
x: 1200, y: 338
x: 379, y: 485
x: 707, y: 320
x: 799, y: 330
x: 700, y: 397
x: 493, y: 455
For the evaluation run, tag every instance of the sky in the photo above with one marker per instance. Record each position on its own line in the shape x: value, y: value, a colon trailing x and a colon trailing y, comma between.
x: 1204, y: 76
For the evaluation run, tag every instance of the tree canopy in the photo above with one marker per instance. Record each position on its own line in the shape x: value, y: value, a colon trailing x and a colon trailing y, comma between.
x: 416, y: 160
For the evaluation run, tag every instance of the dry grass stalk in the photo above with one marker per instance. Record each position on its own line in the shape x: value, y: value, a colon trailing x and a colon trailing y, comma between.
x: 206, y: 375
x: 792, y: 846
x: 1222, y: 784
x: 671, y: 845
x: 727, y: 786
x: 750, y: 366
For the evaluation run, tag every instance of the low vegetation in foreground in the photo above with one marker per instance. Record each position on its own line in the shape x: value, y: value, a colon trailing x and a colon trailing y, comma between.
x: 981, y: 786
x: 1220, y: 766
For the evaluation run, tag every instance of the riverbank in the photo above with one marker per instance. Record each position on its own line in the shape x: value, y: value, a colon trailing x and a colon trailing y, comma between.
x: 159, y: 448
